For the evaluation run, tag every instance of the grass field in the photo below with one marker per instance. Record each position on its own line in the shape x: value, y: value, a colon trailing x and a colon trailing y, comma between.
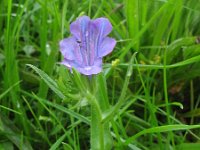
x: 146, y: 98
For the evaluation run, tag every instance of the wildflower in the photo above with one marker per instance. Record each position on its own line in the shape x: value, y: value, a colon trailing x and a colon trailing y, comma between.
x: 88, y: 44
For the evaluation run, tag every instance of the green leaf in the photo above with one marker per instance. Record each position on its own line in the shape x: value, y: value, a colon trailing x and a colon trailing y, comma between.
x: 50, y: 82
x: 9, y: 89
x: 132, y: 14
x: 58, y: 142
x: 67, y: 146
x: 64, y: 109
x: 159, y: 129
x: 175, y: 47
x: 79, y: 82
x: 11, y: 110
x: 188, y: 146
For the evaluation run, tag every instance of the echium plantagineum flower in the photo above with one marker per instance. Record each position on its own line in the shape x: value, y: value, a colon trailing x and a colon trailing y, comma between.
x: 88, y: 44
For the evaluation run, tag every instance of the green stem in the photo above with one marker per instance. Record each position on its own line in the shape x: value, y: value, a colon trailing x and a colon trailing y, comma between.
x: 96, y: 124
x: 97, y: 127
x: 102, y: 98
x: 97, y: 130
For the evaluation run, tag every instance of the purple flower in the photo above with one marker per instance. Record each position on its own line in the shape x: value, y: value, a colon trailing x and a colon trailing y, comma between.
x: 88, y: 44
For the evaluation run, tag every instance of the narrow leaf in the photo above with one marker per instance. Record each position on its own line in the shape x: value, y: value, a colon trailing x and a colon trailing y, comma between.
x: 50, y: 82
x: 159, y: 129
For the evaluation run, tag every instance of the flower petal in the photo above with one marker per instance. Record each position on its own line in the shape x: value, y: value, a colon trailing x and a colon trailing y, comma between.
x: 79, y: 27
x: 70, y: 49
x: 89, y: 70
x: 106, y: 46
x: 67, y: 47
x: 92, y: 39
x: 86, y: 70
x: 104, y: 26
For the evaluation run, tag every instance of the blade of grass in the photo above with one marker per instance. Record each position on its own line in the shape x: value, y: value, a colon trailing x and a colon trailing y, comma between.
x: 8, y: 90
x: 48, y: 60
x: 132, y: 17
x: 11, y: 110
x: 58, y: 142
x: 160, y: 129
x: 143, y: 29
x: 37, y: 121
